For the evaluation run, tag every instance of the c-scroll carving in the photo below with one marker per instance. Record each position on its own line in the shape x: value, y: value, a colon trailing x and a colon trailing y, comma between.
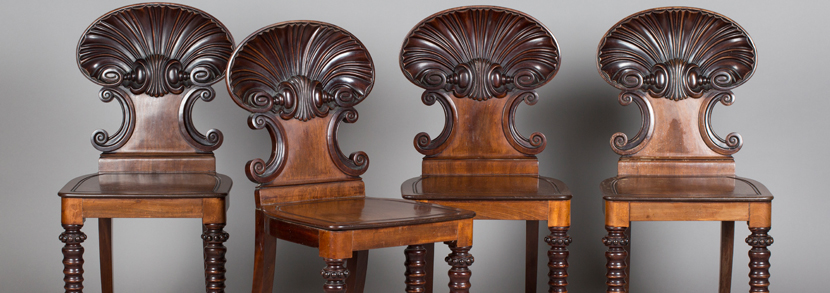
x: 537, y: 142
x: 422, y: 142
x: 101, y: 140
x: 733, y: 142
x: 358, y: 162
x: 619, y: 141
x: 207, y: 142
x: 258, y: 170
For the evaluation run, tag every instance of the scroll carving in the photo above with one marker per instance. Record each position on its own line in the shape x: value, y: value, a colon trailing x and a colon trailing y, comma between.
x: 536, y: 143
x: 300, y: 70
x: 101, y: 139
x: 358, y: 162
x: 619, y: 141
x: 676, y: 53
x: 480, y: 52
x: 155, y: 49
x: 207, y: 142
x: 733, y: 142
x: 258, y: 170
x: 423, y: 143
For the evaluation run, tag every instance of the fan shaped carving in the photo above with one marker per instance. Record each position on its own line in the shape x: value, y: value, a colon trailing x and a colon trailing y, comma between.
x: 155, y: 49
x: 480, y: 52
x: 300, y: 70
x: 676, y: 53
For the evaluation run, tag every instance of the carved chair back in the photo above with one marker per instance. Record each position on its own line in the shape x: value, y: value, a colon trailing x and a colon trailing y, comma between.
x: 300, y: 80
x: 676, y: 64
x: 156, y: 60
x: 479, y: 63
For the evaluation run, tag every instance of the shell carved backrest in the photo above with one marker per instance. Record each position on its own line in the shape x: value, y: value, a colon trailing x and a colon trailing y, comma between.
x: 676, y: 64
x: 300, y: 80
x: 156, y: 60
x: 479, y: 63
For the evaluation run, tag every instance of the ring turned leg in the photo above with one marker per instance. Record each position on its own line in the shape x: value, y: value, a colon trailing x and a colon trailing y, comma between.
x: 214, y: 236
x: 558, y: 259
x: 459, y: 259
x: 616, y: 254
x: 335, y: 274
x: 415, y: 268
x: 759, y: 259
x: 73, y: 258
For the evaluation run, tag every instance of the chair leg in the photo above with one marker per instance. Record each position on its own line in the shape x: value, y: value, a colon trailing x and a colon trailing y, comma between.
x: 430, y: 266
x: 459, y: 259
x: 558, y: 259
x: 616, y: 254
x: 265, y: 253
x: 335, y: 274
x: 105, y: 245
x: 531, y: 255
x: 727, y: 245
x: 357, y: 271
x: 759, y: 259
x: 214, y: 236
x: 628, y: 258
x: 415, y: 268
x: 73, y: 258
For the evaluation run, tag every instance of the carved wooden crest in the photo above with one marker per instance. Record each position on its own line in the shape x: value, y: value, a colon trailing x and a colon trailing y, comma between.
x: 300, y: 71
x: 676, y: 53
x: 480, y: 53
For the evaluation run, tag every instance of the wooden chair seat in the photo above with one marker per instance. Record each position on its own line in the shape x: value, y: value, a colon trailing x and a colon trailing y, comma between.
x: 148, y: 185
x: 363, y: 213
x: 684, y: 189
x: 496, y: 187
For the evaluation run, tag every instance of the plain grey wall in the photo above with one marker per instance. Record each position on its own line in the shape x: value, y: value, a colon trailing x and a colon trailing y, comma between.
x: 49, y: 110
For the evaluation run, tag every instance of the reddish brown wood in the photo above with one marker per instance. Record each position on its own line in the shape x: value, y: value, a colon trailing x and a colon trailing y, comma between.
x: 335, y: 274
x: 430, y: 267
x: 265, y: 252
x: 415, y: 268
x: 727, y: 246
x: 759, y: 259
x: 73, y: 257
x: 558, y: 258
x: 105, y: 248
x: 616, y: 255
x: 215, y: 237
x: 531, y: 254
x: 357, y: 271
x: 460, y: 258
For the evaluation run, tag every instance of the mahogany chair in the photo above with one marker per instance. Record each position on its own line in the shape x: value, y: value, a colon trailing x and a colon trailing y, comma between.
x: 156, y: 60
x: 479, y: 63
x: 300, y: 80
x: 676, y: 64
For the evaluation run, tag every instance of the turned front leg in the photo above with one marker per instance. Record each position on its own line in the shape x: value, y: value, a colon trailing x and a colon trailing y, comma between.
x: 73, y: 258
x: 459, y: 259
x: 214, y: 236
x: 416, y: 274
x: 616, y: 254
x: 759, y: 259
x: 335, y: 274
x: 558, y: 259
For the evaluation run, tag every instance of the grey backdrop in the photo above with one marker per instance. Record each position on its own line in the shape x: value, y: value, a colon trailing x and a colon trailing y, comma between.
x: 49, y: 110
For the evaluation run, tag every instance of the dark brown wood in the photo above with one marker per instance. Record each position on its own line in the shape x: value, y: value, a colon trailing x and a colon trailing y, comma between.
x: 73, y: 257
x: 156, y: 60
x: 105, y: 248
x: 531, y: 255
x: 676, y: 64
x: 727, y: 247
x: 357, y: 271
x: 628, y: 259
x: 759, y: 259
x: 616, y: 255
x: 430, y: 267
x: 480, y: 63
x: 558, y: 258
x: 300, y: 80
x: 460, y: 258
x: 416, y: 273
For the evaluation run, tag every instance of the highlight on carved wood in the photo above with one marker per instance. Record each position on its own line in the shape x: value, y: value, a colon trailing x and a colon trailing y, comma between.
x: 479, y: 52
x: 207, y: 142
x: 619, y: 141
x: 733, y: 141
x: 100, y: 139
x: 300, y: 70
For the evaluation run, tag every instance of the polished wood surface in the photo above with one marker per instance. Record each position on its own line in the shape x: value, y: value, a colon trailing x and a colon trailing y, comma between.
x: 156, y: 60
x: 480, y: 63
x: 308, y: 191
x: 675, y: 64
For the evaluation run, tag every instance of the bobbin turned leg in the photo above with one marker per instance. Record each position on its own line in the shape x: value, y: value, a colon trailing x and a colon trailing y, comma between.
x: 214, y: 236
x: 335, y: 274
x: 460, y: 259
x: 616, y: 254
x: 415, y: 268
x: 73, y: 258
x: 759, y: 259
x: 558, y: 259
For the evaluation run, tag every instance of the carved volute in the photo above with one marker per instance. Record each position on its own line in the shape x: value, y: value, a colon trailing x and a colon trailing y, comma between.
x: 676, y: 64
x: 300, y: 80
x: 480, y: 63
x: 156, y: 60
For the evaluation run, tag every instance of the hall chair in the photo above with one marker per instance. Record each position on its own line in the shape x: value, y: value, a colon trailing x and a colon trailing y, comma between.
x: 156, y: 60
x: 480, y: 63
x: 300, y: 80
x: 676, y: 64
